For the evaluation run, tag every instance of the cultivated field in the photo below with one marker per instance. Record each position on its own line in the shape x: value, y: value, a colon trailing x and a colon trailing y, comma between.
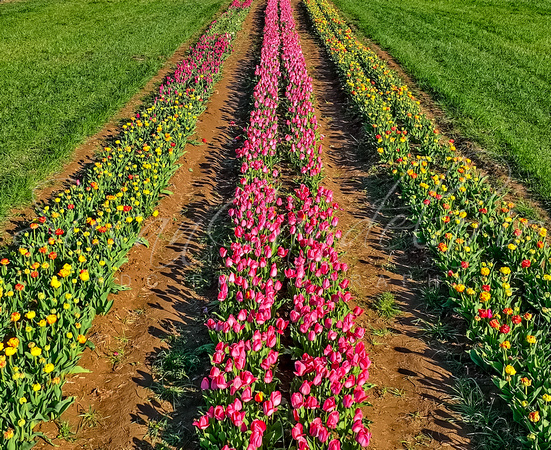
x: 486, y: 62
x: 276, y: 249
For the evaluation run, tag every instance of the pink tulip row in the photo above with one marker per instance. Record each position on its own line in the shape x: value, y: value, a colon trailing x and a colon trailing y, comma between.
x: 241, y: 4
x: 204, y: 61
x: 301, y: 121
x: 259, y: 150
x: 331, y: 376
x: 240, y: 391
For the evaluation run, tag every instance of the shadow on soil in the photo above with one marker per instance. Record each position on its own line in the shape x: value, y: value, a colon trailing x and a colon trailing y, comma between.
x: 381, y: 222
x: 194, y: 273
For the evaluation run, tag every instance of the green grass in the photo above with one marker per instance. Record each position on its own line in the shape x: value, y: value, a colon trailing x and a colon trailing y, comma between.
x: 90, y: 418
x: 66, y: 66
x: 485, y: 61
x: 385, y: 305
x: 478, y: 408
x: 65, y: 431
x: 174, y: 368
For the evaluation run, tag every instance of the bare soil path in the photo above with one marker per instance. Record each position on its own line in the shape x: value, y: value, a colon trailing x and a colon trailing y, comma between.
x: 409, y: 402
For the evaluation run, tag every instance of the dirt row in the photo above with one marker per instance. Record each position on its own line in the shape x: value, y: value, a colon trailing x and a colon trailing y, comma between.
x: 413, y: 388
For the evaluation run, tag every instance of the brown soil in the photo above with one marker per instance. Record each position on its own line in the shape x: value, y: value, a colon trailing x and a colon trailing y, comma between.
x: 413, y: 387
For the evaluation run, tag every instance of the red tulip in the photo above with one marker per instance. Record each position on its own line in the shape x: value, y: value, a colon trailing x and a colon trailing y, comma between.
x: 202, y: 423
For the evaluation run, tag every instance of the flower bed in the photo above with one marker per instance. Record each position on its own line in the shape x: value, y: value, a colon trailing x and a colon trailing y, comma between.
x: 332, y: 369
x: 62, y: 270
x: 495, y: 263
x: 243, y: 395
x: 241, y: 391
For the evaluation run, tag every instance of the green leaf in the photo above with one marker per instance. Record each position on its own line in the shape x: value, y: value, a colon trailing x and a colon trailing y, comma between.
x: 275, y: 432
x: 142, y: 240
x: 119, y: 288
x: 78, y: 369
x: 43, y: 436
x: 63, y: 405
x: 107, y: 307
x: 167, y: 192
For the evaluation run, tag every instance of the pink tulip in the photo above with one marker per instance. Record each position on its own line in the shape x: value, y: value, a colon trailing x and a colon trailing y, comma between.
x: 323, y: 434
x: 347, y: 401
x: 300, y: 369
x: 297, y: 431
x: 246, y: 395
x: 359, y: 395
x: 255, y: 441
x: 297, y: 400
x: 311, y: 402
x: 329, y: 404
x: 363, y: 438
x: 258, y: 426
x: 202, y: 423
x: 219, y: 412
x: 269, y: 408
x: 363, y: 377
x: 275, y: 398
x: 333, y: 420
x: 315, y: 427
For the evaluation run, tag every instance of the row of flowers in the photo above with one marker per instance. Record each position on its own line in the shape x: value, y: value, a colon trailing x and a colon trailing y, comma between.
x: 241, y: 390
x: 283, y: 279
x: 331, y: 367
x: 59, y: 274
x: 496, y: 263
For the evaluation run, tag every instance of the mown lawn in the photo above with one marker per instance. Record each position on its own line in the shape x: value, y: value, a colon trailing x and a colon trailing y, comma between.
x: 66, y: 66
x: 487, y: 62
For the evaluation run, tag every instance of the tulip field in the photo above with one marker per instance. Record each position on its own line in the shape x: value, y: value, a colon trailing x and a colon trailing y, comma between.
x: 295, y: 246
x: 495, y: 262
x: 289, y: 365
x: 61, y: 273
